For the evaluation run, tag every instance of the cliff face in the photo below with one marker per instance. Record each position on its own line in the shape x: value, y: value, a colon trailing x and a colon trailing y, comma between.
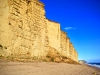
x: 53, y: 34
x: 64, y: 44
x: 26, y: 33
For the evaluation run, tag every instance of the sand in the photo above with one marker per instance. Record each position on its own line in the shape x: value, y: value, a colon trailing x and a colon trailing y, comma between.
x: 45, y: 68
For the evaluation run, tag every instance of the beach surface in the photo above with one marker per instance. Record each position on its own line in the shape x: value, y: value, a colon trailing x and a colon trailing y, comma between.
x: 45, y: 68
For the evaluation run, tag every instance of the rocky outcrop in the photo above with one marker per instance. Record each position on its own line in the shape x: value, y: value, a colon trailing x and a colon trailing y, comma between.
x: 82, y: 61
x: 26, y: 33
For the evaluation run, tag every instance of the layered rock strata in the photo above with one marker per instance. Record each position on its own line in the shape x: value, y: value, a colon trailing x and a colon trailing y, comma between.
x: 26, y: 33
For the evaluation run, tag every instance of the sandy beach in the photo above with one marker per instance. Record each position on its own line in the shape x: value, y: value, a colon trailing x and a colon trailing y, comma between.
x: 45, y: 68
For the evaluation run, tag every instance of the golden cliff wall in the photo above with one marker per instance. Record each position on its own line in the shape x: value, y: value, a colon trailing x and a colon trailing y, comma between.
x: 72, y: 52
x: 26, y: 33
x: 53, y: 34
x: 4, y: 27
x: 64, y: 44
x: 20, y: 32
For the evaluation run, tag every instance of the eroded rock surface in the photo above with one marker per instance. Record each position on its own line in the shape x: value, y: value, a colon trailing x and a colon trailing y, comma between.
x: 26, y: 33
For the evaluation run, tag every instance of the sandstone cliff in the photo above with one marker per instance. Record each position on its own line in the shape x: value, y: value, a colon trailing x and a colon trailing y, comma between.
x: 26, y: 33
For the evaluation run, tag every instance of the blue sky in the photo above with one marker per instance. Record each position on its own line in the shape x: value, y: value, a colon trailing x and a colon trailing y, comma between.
x: 81, y: 20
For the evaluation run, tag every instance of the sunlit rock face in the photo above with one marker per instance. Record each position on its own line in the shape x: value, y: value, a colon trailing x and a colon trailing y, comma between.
x: 26, y: 33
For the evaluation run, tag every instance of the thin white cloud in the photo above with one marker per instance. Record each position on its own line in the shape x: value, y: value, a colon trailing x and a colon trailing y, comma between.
x: 69, y: 28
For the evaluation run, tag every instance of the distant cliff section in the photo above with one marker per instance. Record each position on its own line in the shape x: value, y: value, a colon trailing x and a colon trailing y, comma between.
x: 25, y: 33
x: 82, y: 61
